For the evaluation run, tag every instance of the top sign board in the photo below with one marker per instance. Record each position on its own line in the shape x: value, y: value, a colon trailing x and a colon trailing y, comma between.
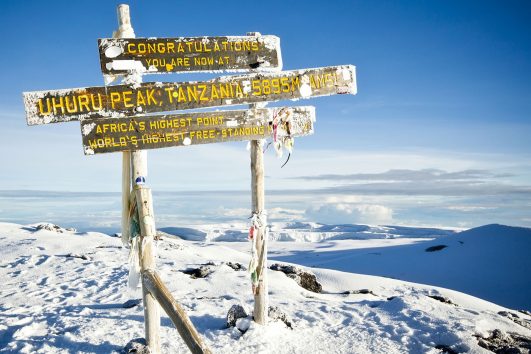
x: 192, y: 54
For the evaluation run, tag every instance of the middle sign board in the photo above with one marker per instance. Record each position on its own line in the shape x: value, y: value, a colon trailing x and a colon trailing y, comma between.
x: 44, y: 107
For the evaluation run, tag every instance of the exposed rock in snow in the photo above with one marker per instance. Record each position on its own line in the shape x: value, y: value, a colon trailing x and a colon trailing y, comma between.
x: 275, y: 313
x: 236, y: 266
x: 360, y: 291
x: 235, y: 312
x: 442, y: 299
x: 516, y: 319
x: 505, y: 343
x: 75, y: 255
x: 201, y: 272
x: 136, y: 346
x: 53, y: 227
x: 131, y: 303
x: 304, y: 278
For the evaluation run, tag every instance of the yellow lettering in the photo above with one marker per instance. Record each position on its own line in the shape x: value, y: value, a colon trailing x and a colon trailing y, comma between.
x: 150, y: 97
x: 191, y: 91
x: 284, y: 82
x: 98, y: 107
x: 170, y: 92
x: 214, y: 93
x: 74, y: 104
x: 83, y: 103
x: 275, y: 84
x: 141, y: 48
x: 203, y: 92
x: 41, y: 110
x: 181, y: 97
x: 115, y: 97
x: 127, y: 98
x: 93, y: 144
x: 171, y: 47
x: 224, y: 90
x: 56, y: 105
x: 239, y: 91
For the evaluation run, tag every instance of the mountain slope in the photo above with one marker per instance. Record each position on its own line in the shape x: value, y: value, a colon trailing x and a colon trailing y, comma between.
x: 63, y: 293
x: 491, y: 262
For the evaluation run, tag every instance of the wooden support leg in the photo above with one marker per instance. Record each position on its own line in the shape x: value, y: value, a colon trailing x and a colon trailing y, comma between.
x: 126, y: 193
x: 261, y: 300
x: 147, y: 262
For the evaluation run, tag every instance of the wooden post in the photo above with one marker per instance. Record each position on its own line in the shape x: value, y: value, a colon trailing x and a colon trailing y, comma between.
x: 138, y: 161
x: 147, y: 262
x: 126, y: 193
x: 175, y: 312
x: 261, y: 302
x: 261, y: 296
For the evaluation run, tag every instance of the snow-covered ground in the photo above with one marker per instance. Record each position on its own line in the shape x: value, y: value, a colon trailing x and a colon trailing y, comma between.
x: 63, y: 291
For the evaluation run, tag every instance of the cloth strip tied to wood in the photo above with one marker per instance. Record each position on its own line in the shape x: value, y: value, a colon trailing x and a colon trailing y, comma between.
x: 131, y: 240
x: 256, y: 265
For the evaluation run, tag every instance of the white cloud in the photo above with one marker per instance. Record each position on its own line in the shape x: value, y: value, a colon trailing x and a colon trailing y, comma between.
x: 343, y: 199
x: 468, y: 208
x: 343, y: 213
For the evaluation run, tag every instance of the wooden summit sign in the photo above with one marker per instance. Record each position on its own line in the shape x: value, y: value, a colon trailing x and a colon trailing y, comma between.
x: 44, y: 107
x: 192, y: 54
x: 151, y: 132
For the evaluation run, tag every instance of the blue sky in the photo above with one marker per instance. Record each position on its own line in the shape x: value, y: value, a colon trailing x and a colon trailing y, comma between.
x: 438, y: 133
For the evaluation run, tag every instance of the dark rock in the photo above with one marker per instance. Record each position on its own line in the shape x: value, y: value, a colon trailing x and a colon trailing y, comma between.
x: 442, y: 299
x: 275, y: 313
x: 54, y: 228
x: 435, y: 248
x: 75, y: 255
x: 235, y: 312
x: 360, y: 291
x: 131, y: 303
x: 137, y: 346
x: 505, y: 343
x: 201, y: 272
x: 309, y: 282
x: 304, y: 278
x: 390, y: 298
x: 284, y: 268
x: 516, y: 319
x: 236, y: 266
x: 446, y: 349
x: 525, y: 312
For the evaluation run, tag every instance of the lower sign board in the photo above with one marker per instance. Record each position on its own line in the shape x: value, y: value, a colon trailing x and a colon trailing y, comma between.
x: 152, y: 132
x: 44, y: 107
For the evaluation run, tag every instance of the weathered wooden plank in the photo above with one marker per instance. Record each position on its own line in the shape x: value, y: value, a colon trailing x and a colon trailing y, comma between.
x: 151, y: 132
x: 175, y: 312
x: 44, y: 107
x: 190, y: 54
